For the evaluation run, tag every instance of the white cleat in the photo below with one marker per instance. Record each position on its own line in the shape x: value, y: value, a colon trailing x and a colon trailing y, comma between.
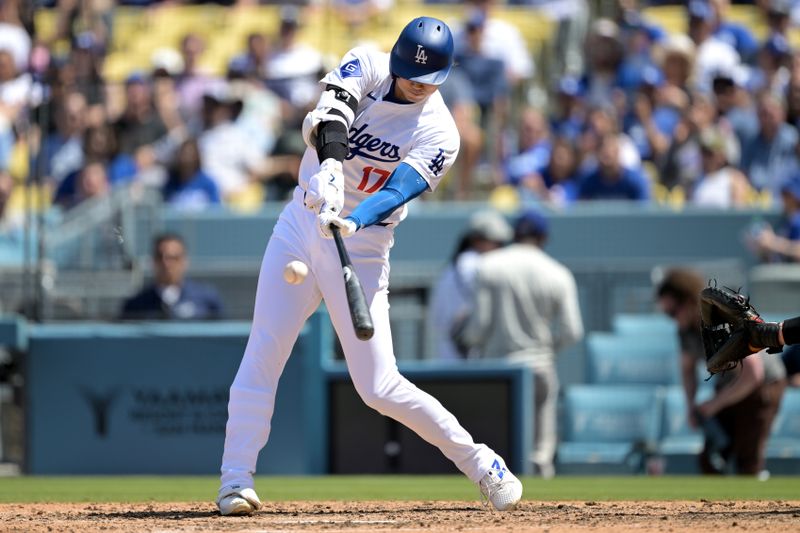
x: 500, y: 487
x: 237, y: 501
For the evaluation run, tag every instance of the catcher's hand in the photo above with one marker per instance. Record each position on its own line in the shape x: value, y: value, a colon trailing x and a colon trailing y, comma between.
x: 732, y: 329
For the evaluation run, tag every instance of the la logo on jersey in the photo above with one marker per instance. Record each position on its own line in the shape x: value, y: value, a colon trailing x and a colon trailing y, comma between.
x: 421, y: 56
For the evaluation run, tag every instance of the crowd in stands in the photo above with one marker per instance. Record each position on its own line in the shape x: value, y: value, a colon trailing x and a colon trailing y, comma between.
x: 701, y: 114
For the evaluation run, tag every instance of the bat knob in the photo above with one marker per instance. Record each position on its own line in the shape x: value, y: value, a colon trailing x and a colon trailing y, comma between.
x: 364, y: 334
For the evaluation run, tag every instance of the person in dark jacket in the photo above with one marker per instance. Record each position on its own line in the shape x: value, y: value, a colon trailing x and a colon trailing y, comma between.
x: 171, y: 296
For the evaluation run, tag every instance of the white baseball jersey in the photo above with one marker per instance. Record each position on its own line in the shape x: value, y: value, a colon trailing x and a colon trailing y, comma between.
x: 385, y: 134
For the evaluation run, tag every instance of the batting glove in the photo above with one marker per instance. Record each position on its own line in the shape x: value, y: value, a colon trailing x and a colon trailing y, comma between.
x: 327, y: 218
x: 325, y: 190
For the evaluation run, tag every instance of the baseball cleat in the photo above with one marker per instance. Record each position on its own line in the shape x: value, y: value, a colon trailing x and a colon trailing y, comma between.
x: 500, y: 487
x: 237, y: 501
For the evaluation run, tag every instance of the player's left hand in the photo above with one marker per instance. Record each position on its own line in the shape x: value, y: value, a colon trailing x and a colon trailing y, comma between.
x: 346, y: 226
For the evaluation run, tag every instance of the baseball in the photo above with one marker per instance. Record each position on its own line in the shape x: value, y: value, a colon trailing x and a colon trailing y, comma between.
x: 295, y: 272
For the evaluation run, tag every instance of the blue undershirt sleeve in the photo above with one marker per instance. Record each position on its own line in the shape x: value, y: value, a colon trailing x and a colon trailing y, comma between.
x: 403, y: 185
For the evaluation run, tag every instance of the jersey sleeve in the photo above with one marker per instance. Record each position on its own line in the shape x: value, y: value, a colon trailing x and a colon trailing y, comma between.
x: 358, y: 73
x: 434, y: 152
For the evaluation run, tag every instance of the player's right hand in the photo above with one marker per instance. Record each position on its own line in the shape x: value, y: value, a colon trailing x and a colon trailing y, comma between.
x: 325, y: 191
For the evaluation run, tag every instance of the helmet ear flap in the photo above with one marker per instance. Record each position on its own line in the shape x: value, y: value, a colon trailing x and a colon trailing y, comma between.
x: 423, y: 51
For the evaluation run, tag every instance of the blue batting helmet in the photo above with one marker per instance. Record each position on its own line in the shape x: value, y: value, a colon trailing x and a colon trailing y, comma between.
x: 423, y: 52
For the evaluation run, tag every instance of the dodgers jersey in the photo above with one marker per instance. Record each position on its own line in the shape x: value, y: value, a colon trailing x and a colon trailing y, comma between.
x: 385, y: 134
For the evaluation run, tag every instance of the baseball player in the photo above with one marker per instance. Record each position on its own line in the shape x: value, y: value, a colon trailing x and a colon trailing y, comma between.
x: 379, y: 136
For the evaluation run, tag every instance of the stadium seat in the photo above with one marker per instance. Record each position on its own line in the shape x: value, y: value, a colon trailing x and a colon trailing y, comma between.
x: 680, y: 445
x: 645, y: 324
x: 608, y: 429
x: 783, y: 448
x: 633, y: 358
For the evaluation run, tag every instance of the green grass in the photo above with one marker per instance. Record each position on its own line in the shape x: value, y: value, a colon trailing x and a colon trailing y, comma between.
x: 203, y: 488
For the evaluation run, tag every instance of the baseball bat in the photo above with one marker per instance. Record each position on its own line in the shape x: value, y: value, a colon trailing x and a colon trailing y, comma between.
x: 356, y: 299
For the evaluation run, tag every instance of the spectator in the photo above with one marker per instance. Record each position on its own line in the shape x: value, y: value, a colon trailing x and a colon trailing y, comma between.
x: 734, y: 34
x: 712, y: 54
x: 783, y: 243
x: 227, y: 153
x: 793, y: 92
x: 452, y: 293
x: 600, y: 122
x: 734, y: 106
x: 251, y: 63
x: 778, y: 15
x: 499, y: 40
x: 85, y: 59
x: 358, y: 14
x: 293, y: 69
x: 746, y: 398
x: 720, y: 185
x: 525, y: 167
x: 651, y: 121
x: 568, y: 119
x: 193, y: 82
x: 457, y: 94
x: 63, y: 148
x: 140, y: 126
x: 604, y: 55
x: 560, y: 175
x: 171, y: 296
x: 526, y: 310
x: 769, y: 157
x: 9, y: 223
x: 13, y: 36
x: 91, y: 182
x: 610, y: 180
x: 772, y: 73
x: 188, y: 187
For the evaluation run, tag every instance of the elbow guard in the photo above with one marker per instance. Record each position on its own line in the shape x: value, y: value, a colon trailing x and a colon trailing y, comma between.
x: 335, y: 105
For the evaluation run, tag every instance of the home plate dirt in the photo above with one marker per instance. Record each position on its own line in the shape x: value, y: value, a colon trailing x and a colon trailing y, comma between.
x: 770, y: 516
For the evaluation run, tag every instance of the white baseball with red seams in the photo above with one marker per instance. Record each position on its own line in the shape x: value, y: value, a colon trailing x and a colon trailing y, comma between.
x: 383, y: 135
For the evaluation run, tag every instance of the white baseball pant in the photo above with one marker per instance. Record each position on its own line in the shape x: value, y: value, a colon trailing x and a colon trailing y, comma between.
x: 280, y: 312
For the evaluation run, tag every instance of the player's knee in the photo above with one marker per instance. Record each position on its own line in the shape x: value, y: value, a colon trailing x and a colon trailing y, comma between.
x: 381, y: 396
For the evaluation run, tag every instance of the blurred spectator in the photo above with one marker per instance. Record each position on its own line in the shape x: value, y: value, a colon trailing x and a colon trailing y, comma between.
x: 734, y: 105
x: 793, y: 92
x: 736, y: 35
x: 16, y: 94
x: 188, y: 187
x: 140, y: 126
x: 745, y: 399
x: 712, y: 54
x: 227, y: 154
x: 485, y: 74
x: 783, y: 243
x: 499, y: 40
x: 457, y: 94
x: 600, y: 122
x: 675, y: 57
x: 778, y: 15
x: 192, y: 83
x: 560, y: 175
x: 452, y: 293
x: 604, y: 55
x: 681, y: 166
x: 293, y: 69
x: 523, y: 169
x: 526, y: 310
x: 638, y: 38
x: 92, y: 183
x: 568, y: 118
x: 14, y: 38
x: 651, y: 121
x: 720, y: 185
x: 85, y: 60
x: 8, y: 223
x: 769, y: 157
x: 88, y: 19
x: 610, y: 180
x: 772, y: 73
x: 251, y: 63
x: 171, y: 296
x: 99, y: 144
x: 63, y: 149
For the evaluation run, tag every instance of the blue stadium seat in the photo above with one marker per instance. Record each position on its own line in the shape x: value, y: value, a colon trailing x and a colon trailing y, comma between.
x: 608, y: 429
x: 643, y: 324
x: 650, y: 359
x: 783, y: 448
x: 680, y: 445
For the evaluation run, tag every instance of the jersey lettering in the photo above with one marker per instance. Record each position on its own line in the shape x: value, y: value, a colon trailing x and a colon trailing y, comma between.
x: 437, y: 163
x: 351, y: 69
x: 383, y: 175
x: 421, y: 56
x: 369, y: 146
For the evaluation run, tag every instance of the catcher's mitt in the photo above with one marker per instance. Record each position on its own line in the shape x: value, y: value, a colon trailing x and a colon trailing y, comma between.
x: 732, y: 329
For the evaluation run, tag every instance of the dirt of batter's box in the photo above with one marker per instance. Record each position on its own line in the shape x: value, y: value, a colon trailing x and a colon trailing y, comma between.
x: 553, y: 517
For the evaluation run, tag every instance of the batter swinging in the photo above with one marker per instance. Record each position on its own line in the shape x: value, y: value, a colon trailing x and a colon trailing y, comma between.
x: 379, y: 137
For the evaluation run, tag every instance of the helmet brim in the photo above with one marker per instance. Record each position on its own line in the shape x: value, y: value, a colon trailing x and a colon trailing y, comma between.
x: 411, y: 72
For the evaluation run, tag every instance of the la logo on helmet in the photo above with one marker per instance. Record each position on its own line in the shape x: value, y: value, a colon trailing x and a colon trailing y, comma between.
x: 421, y: 56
